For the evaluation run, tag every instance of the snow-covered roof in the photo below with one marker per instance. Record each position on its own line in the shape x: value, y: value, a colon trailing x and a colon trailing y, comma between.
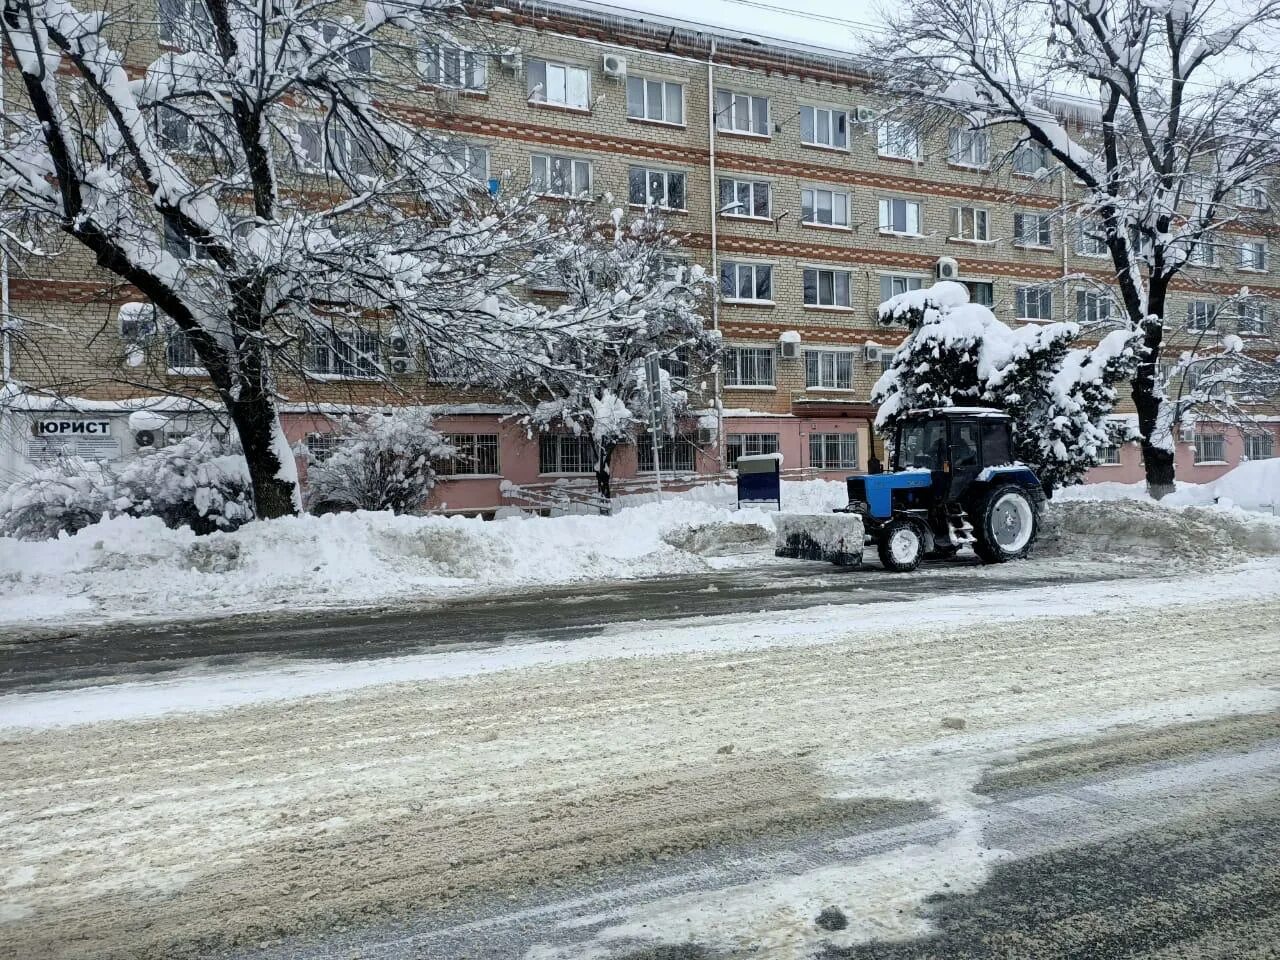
x: 963, y: 411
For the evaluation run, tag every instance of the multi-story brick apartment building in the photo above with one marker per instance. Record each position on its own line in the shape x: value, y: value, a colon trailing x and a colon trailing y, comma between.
x: 775, y: 162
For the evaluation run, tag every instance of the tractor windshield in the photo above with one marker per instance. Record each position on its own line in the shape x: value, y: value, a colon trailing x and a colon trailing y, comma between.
x: 921, y: 445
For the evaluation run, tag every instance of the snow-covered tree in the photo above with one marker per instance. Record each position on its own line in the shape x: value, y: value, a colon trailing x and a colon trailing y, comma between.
x: 631, y: 296
x: 258, y: 185
x: 1163, y: 115
x: 63, y: 497
x: 957, y: 353
x: 384, y: 462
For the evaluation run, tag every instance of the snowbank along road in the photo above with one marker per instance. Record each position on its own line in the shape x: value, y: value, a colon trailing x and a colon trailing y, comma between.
x: 331, y: 809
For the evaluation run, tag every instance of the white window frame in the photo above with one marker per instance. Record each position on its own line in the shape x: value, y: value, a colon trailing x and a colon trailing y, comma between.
x: 739, y: 366
x: 840, y: 279
x: 730, y: 103
x: 335, y: 139
x: 1259, y: 446
x: 1108, y: 455
x: 1042, y: 295
x: 558, y: 78
x: 1209, y: 442
x: 546, y: 188
x: 1254, y: 256
x: 885, y: 203
x: 453, y: 67
x: 752, y: 187
x: 1203, y: 252
x: 363, y: 343
x: 969, y: 148
x: 175, y: 336
x: 1202, y: 315
x: 824, y: 121
x: 893, y: 136
x: 977, y: 229
x: 846, y: 445
x: 645, y: 105
x: 1095, y: 303
x: 1091, y: 239
x: 182, y: 247
x: 738, y: 266
x: 1252, y: 196
x: 1251, y: 318
x: 838, y: 205
x: 832, y: 358
x: 750, y: 444
x: 465, y: 153
x: 663, y: 202
x: 907, y: 281
x: 969, y: 284
x: 1030, y: 149
x: 189, y: 27
x: 469, y: 456
x: 1043, y: 224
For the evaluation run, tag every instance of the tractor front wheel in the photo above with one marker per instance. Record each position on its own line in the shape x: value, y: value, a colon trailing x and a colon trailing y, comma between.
x: 901, y: 545
x: 1006, y: 525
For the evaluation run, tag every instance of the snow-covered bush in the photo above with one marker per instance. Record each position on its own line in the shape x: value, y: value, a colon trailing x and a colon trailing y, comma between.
x: 385, y: 462
x: 957, y: 353
x: 202, y: 482
x: 62, y: 498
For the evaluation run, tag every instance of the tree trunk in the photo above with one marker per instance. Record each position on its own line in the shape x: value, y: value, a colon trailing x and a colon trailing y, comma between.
x: 604, y: 474
x: 1158, y: 462
x: 272, y: 470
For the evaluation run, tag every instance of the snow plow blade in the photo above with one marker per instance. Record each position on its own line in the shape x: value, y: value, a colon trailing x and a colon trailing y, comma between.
x: 835, y: 537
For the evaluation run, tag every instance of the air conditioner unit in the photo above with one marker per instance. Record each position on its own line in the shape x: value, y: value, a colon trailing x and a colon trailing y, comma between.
x: 147, y: 438
x: 948, y: 269
x: 510, y: 60
x: 789, y: 345
x: 872, y: 354
x: 614, y: 66
x: 403, y: 365
x: 398, y: 344
x: 706, y: 436
x: 1188, y: 433
x: 865, y: 115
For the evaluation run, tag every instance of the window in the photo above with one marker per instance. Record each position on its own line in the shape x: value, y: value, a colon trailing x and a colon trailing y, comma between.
x: 825, y: 207
x: 1211, y: 448
x: 352, y: 352
x: 1203, y: 253
x: 1030, y: 159
x: 970, y: 223
x: 749, y: 445
x: 828, y: 369
x: 1092, y: 306
x: 559, y: 176
x: 1252, y: 196
x: 137, y: 324
x: 826, y: 288
x: 1259, y: 446
x: 675, y: 454
x: 823, y: 127
x: 1253, y: 255
x: 833, y: 451
x: 981, y: 292
x: 663, y: 188
x: 893, y: 284
x: 1252, y: 320
x: 322, y: 446
x: 886, y: 359
x: 1032, y: 230
x: 469, y: 158
x: 181, y: 247
x: 1033, y: 303
x: 561, y: 84
x: 742, y: 112
x: 748, y: 366
x: 1201, y: 315
x: 184, y: 23
x: 477, y: 455
x: 899, y: 140
x: 201, y: 133
x: 453, y: 67
x: 1109, y: 455
x: 180, y: 353
x: 746, y: 281
x: 744, y: 198
x: 359, y: 57
x: 1090, y: 239
x: 898, y: 215
x: 329, y: 147
x: 563, y: 453
x: 660, y: 100
x: 970, y: 148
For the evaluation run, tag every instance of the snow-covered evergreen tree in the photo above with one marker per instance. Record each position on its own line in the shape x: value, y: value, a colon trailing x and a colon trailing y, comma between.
x: 385, y: 461
x: 255, y: 184
x: 630, y: 296
x: 956, y: 353
x: 1163, y: 118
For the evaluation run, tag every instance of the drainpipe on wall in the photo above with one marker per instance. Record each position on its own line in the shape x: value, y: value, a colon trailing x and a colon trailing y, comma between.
x: 1062, y: 194
x: 715, y: 249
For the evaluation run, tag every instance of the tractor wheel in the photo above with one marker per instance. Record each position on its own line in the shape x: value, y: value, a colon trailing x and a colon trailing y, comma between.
x: 1007, y: 525
x: 901, y: 545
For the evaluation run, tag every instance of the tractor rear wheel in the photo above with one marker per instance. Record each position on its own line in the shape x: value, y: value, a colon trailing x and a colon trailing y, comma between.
x: 900, y: 545
x: 1007, y: 525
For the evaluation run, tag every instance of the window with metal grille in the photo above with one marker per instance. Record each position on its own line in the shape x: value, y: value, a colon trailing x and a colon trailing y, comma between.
x: 661, y: 100
x: 1259, y: 446
x: 180, y: 354
x: 748, y: 366
x: 564, y: 453
x: 477, y: 455
x: 742, y: 112
x: 322, y: 446
x: 833, y: 451
x: 1211, y: 448
x: 350, y: 352
x: 828, y: 369
x: 662, y: 188
x: 748, y: 445
x: 1033, y: 303
x: 824, y: 127
x: 675, y: 454
x: 560, y: 176
x: 746, y: 281
x: 744, y: 198
x: 1109, y: 455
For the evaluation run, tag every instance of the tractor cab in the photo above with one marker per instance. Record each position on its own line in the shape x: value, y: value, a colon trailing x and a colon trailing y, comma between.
x: 954, y: 444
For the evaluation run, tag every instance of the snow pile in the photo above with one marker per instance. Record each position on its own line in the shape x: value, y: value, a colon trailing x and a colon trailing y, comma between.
x: 1253, y: 485
x: 798, y: 496
x: 719, y: 538
x: 1133, y: 530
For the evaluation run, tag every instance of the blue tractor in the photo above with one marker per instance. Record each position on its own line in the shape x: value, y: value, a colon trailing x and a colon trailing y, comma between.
x: 953, y: 483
